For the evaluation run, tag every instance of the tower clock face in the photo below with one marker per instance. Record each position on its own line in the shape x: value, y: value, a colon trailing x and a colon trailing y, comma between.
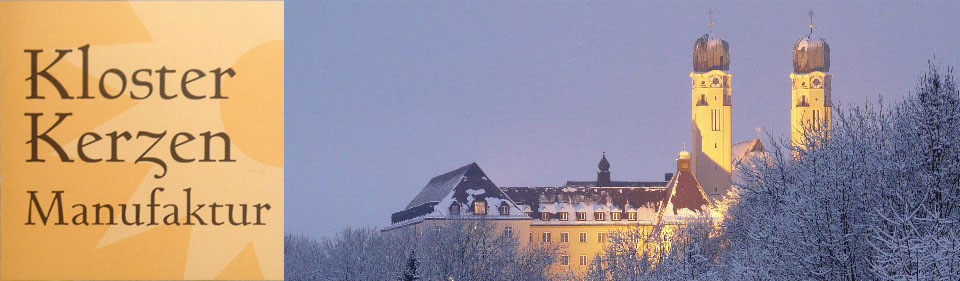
x: 715, y: 81
x: 816, y: 82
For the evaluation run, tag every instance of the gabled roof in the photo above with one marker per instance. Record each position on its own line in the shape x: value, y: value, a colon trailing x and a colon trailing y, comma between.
x: 746, y: 149
x: 685, y: 193
x: 461, y: 187
x: 440, y: 186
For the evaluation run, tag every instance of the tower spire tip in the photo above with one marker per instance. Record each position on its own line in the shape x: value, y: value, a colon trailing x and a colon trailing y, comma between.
x: 710, y: 12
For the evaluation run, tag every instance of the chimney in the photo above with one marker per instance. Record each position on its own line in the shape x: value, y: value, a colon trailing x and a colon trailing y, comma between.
x: 667, y: 176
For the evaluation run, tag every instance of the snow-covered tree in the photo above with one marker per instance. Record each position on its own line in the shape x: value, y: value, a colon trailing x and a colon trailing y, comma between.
x: 916, y: 235
x: 410, y: 271
x: 302, y: 257
x: 451, y: 250
x: 676, y: 252
x: 874, y: 197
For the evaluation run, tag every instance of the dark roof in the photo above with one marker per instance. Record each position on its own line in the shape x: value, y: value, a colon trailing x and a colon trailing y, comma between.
x: 687, y: 194
x: 616, y: 184
x: 440, y: 186
x: 414, y: 212
x: 619, y: 197
x: 461, y: 186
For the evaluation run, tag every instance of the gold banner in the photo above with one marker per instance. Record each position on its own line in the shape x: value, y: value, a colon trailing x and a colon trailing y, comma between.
x: 141, y: 140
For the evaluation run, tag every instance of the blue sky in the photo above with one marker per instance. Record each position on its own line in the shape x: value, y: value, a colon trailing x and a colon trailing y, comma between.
x: 381, y: 96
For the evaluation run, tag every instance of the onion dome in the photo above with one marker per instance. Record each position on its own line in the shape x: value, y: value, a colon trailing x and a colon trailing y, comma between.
x: 711, y: 52
x: 604, y: 165
x: 811, y: 54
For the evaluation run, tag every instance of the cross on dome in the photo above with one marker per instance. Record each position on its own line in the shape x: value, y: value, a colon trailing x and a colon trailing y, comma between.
x: 711, y: 19
x: 811, y: 21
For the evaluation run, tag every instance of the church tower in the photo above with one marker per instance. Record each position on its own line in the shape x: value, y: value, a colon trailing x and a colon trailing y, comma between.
x: 811, y: 105
x: 710, y: 113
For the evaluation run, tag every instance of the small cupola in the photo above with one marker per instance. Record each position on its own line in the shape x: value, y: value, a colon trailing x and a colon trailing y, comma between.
x: 683, y: 161
x: 710, y: 52
x: 603, y: 177
x: 604, y: 165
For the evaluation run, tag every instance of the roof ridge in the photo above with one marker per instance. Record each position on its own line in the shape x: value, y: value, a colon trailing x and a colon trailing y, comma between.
x: 746, y: 141
x: 454, y: 171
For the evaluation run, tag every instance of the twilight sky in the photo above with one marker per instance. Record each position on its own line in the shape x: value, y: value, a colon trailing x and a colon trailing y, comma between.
x: 381, y: 96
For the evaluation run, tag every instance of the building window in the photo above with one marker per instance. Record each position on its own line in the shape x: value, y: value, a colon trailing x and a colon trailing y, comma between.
x: 614, y: 216
x: 544, y: 216
x: 564, y: 260
x: 598, y: 216
x: 479, y: 207
x: 504, y: 209
x: 632, y: 216
x: 816, y: 119
x: 602, y: 237
x: 454, y: 209
x: 531, y: 236
x: 563, y: 216
x: 581, y: 216
x: 508, y: 232
x: 583, y: 237
x: 715, y: 116
x: 583, y: 260
x: 803, y: 101
x: 564, y: 237
x: 546, y: 237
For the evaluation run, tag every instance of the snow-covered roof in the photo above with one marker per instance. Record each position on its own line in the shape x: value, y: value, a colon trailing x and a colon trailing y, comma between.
x: 462, y: 188
x: 745, y: 150
x: 440, y: 186
x: 646, y: 201
x: 548, y: 208
x: 582, y: 184
x: 614, y: 208
x: 686, y: 198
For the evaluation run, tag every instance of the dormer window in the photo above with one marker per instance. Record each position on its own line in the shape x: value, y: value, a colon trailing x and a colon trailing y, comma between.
x: 598, y: 216
x: 504, y: 209
x: 614, y: 216
x: 631, y: 216
x: 454, y: 209
x: 563, y: 216
x: 544, y: 216
x: 479, y: 207
x: 581, y: 216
